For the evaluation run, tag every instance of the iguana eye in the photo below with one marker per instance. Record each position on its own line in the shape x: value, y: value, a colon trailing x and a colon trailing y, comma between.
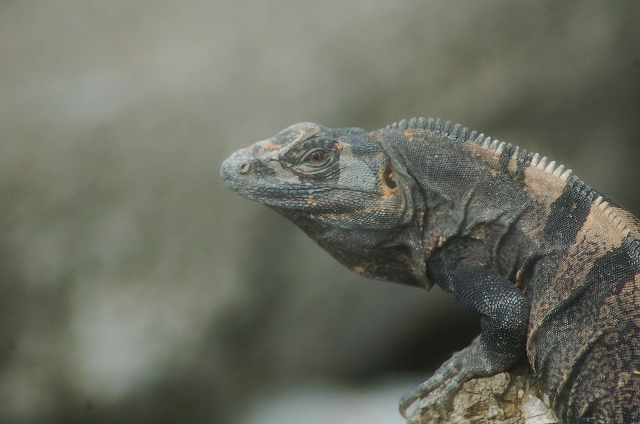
x: 311, y: 160
x: 316, y: 156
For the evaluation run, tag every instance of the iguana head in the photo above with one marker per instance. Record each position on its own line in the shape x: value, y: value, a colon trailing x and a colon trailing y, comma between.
x: 344, y: 190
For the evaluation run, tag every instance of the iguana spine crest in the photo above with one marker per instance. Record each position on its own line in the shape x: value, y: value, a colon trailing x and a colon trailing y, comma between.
x: 462, y: 134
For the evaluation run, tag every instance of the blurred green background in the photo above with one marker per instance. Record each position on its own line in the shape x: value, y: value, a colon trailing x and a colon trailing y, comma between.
x: 135, y: 288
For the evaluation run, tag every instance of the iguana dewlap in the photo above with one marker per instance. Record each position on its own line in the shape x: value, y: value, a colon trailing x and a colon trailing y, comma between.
x: 551, y: 265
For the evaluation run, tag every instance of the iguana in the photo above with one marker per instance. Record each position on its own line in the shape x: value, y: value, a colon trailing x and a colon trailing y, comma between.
x: 551, y: 266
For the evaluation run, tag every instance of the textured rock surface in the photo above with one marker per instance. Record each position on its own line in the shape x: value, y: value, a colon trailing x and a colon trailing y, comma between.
x: 506, y: 398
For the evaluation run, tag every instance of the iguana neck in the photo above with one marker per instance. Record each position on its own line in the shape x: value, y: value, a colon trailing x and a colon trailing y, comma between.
x: 395, y: 255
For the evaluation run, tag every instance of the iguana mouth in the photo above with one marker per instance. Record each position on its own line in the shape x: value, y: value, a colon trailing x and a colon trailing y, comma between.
x: 283, y: 194
x: 253, y: 178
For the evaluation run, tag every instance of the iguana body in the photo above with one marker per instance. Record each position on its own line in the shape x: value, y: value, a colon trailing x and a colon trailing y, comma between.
x: 552, y: 266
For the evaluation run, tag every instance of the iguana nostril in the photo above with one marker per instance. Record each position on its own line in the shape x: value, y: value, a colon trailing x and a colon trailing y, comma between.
x: 245, y: 167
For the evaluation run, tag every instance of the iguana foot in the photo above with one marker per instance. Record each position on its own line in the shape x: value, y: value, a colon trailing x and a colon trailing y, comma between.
x: 473, y: 362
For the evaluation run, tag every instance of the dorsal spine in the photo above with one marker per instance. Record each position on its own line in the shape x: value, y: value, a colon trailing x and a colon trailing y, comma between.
x: 462, y: 134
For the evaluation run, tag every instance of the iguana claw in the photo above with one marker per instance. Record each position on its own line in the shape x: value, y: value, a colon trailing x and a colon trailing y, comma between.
x: 473, y: 362
x: 441, y: 388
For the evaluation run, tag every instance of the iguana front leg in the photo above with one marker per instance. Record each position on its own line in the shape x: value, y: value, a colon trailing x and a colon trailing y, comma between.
x: 504, y: 312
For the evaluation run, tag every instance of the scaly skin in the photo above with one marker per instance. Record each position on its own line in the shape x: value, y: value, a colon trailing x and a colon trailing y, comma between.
x: 551, y: 266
